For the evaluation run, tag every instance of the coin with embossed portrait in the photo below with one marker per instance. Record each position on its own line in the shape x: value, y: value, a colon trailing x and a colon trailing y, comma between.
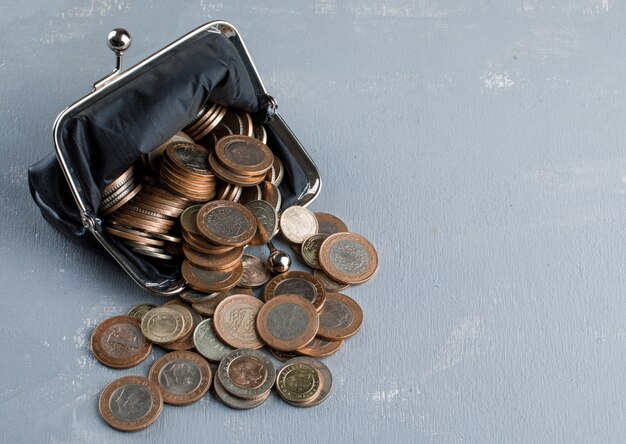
x: 299, y: 283
x: 255, y: 272
x: 184, y: 377
x: 226, y: 223
x: 287, y: 322
x: 326, y: 377
x: 340, y: 318
x: 348, y: 258
x: 234, y: 321
x: 118, y: 342
x: 297, y: 223
x: 130, y: 403
x: 208, y: 344
x: 298, y: 382
x: 163, y: 325
x: 233, y: 401
x: 247, y: 373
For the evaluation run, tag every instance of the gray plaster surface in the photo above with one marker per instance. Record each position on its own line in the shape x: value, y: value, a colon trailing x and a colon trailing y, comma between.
x: 478, y: 144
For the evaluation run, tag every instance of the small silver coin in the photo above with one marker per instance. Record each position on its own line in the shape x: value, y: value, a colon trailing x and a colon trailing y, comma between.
x: 208, y: 344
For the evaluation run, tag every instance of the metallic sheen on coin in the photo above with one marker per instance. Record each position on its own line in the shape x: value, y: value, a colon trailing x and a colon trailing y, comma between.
x: 162, y: 325
x: 184, y: 377
x: 235, y: 319
x: 348, y: 258
x: 255, y: 273
x: 297, y: 223
x: 247, y: 373
x: 208, y: 344
x: 117, y: 342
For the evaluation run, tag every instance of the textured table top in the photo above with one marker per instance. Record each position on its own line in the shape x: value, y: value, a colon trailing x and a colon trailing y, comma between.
x: 478, y: 144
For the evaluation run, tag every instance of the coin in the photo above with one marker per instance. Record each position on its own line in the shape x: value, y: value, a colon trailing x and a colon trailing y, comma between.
x: 189, y: 158
x: 299, y: 283
x: 340, y: 318
x: 310, y: 249
x: 130, y: 403
x: 210, y: 280
x: 260, y: 133
x: 244, y: 155
x: 183, y: 376
x: 267, y: 221
x: 297, y: 223
x: 139, y: 310
x: 234, y: 321
x: 162, y: 325
x: 248, y: 194
x: 326, y: 377
x: 207, y: 308
x: 181, y: 307
x: 246, y: 373
x: 117, y: 342
x: 330, y: 224
x: 234, y: 402
x: 207, y: 343
x: 255, y: 273
x: 348, y: 258
x: 279, y: 171
x: 283, y: 356
x: 270, y: 194
x: 186, y: 342
x: 287, y: 322
x: 193, y: 296
x: 298, y: 382
x: 118, y: 181
x: 320, y: 348
x: 226, y: 223
x: 328, y: 283
x: 218, y: 261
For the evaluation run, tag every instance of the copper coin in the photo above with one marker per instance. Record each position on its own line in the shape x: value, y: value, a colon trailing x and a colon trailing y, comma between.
x: 330, y: 224
x: 287, y: 322
x: 267, y: 221
x: 235, y: 319
x: 226, y: 223
x: 326, y: 376
x: 207, y: 109
x: 210, y: 119
x: 298, y: 223
x: 189, y: 157
x: 209, y: 281
x: 298, y: 283
x: 117, y: 342
x: 255, y: 273
x: 298, y: 382
x: 348, y: 258
x: 244, y: 155
x: 328, y: 283
x: 183, y: 376
x: 219, y: 261
x: 232, y: 177
x: 207, y: 307
x: 235, y: 402
x: 211, y: 125
x: 246, y: 373
x: 154, y: 157
x: 340, y: 318
x: 162, y: 325
x: 118, y: 181
x: 248, y: 194
x: 310, y: 249
x: 130, y: 403
x: 133, y: 235
x: 270, y: 194
x: 186, y: 342
x: 320, y: 348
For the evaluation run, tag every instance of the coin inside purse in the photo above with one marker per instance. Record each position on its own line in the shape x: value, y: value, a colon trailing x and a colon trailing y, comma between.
x: 99, y: 136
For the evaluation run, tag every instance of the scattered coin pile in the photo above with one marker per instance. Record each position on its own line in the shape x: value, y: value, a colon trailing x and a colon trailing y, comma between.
x: 203, y: 205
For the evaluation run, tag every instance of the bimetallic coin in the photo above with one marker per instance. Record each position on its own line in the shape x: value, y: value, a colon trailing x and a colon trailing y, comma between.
x: 328, y: 283
x: 184, y: 377
x: 287, y: 323
x: 130, y: 403
x: 117, y: 342
x: 139, y: 310
x: 247, y: 373
x: 270, y: 194
x: 208, y: 344
x: 320, y: 348
x: 348, y: 258
x: 299, y: 283
x: 162, y: 325
x: 235, y: 402
x: 235, y: 319
x: 326, y: 377
x: 189, y: 157
x: 298, y: 223
x: 255, y: 273
x: 207, y: 308
x: 283, y: 356
x: 201, y: 279
x: 185, y: 312
x: 330, y: 224
x: 340, y: 318
x: 186, y: 342
x: 244, y: 155
x: 226, y: 223
x: 310, y: 249
x: 267, y: 221
x: 298, y: 382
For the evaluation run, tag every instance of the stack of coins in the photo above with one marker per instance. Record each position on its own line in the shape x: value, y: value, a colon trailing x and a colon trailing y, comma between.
x: 241, y: 160
x: 185, y: 171
x: 120, y: 191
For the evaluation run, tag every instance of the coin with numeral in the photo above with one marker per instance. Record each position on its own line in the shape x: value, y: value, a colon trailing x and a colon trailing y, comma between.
x: 348, y: 258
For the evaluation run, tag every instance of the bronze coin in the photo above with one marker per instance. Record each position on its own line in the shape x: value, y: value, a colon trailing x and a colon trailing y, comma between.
x: 255, y: 273
x: 189, y: 157
x: 207, y: 307
x: 234, y: 402
x: 260, y: 133
x: 219, y: 261
x: 248, y: 194
x: 299, y: 283
x: 330, y: 224
x: 183, y: 376
x: 117, y: 342
x: 234, y: 321
x: 244, y: 155
x: 270, y: 194
x: 210, y: 281
x: 310, y: 249
x: 206, y: 110
x: 226, y: 223
x: 137, y: 311
x: 202, y: 132
x: 328, y: 283
x: 231, y: 177
x: 299, y: 382
x: 154, y: 157
x: 348, y: 258
x: 130, y: 403
x: 340, y: 318
x: 118, y: 181
x: 209, y: 117
x: 248, y: 125
x: 287, y: 322
x: 320, y: 348
x: 326, y: 377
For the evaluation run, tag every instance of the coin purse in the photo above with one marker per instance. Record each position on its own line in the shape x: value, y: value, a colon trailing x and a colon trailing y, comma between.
x: 131, y: 113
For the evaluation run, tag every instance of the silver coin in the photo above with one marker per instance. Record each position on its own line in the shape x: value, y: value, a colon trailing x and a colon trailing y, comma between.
x: 247, y: 373
x: 180, y: 377
x: 130, y: 402
x: 298, y: 223
x: 266, y: 215
x: 327, y: 378
x: 207, y: 343
x: 234, y: 402
x: 311, y: 248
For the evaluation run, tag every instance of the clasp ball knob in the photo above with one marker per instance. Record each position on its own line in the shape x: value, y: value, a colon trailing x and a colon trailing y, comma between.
x: 118, y: 40
x: 278, y: 262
